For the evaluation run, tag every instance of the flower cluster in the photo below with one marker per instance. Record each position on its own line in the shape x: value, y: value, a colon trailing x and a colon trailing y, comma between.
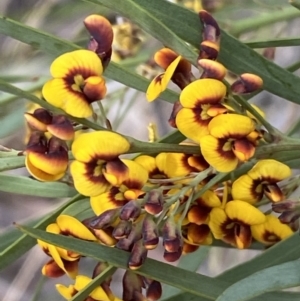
x: 166, y: 196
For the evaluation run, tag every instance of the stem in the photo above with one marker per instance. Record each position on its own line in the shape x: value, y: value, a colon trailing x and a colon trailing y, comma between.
x: 155, y: 148
x: 186, y: 207
x: 272, y: 17
x: 252, y: 110
x: 103, y: 115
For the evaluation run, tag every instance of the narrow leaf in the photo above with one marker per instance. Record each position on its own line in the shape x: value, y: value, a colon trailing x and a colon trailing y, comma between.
x: 274, y: 278
x: 25, y: 242
x: 9, y: 163
x: 188, y: 281
x: 27, y: 186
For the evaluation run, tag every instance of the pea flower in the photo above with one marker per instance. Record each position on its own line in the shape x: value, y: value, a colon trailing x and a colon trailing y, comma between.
x: 271, y: 231
x: 201, y: 101
x: 130, y: 189
x: 97, y: 167
x: 76, y: 83
x: 176, y: 68
x: 81, y: 281
x: 261, y: 180
x: 227, y: 142
x: 232, y: 224
x: 64, y: 261
x: 46, y: 160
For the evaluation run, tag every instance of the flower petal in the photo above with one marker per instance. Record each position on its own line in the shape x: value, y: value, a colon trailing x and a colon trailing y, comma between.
x: 81, y: 61
x: 202, y: 91
x: 101, y: 145
x: 244, y: 212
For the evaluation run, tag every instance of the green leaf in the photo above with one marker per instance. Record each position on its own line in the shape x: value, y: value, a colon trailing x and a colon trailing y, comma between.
x: 284, y: 251
x: 9, y: 163
x: 271, y: 279
x: 56, y: 46
x: 190, y: 262
x: 188, y: 281
x: 276, y: 80
x: 25, y: 242
x: 284, y: 42
x: 27, y: 186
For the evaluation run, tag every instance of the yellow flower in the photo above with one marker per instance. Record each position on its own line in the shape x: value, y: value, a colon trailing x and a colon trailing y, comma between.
x: 76, y: 83
x: 81, y: 281
x: 46, y: 160
x: 64, y: 261
x: 176, y: 68
x: 97, y: 167
x: 130, y: 189
x: 201, y: 101
x: 227, y: 143
x: 260, y: 180
x: 271, y: 231
x: 232, y: 224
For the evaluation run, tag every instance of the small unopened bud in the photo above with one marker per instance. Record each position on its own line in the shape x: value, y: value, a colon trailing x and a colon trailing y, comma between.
x: 138, y: 255
x: 122, y: 230
x: 138, y: 296
x: 154, y: 202
x: 150, y: 233
x: 212, y: 69
x: 176, y: 108
x: 286, y: 205
x: 99, y: 268
x: 39, y: 119
x: 103, y: 220
x: 172, y: 240
x: 288, y: 217
x: 172, y: 256
x: 247, y: 83
x: 130, y: 211
x: 188, y: 248
x: 37, y: 143
x: 52, y: 270
x: 94, y: 88
x: 126, y: 244
x: 132, y: 282
x: 154, y: 291
x: 61, y: 127
x: 105, y: 236
x: 211, y: 31
x: 209, y: 50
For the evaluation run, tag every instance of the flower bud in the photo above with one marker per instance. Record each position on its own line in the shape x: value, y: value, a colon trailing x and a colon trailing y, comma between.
x: 37, y: 143
x: 273, y: 193
x: 208, y: 50
x: 154, y: 291
x: 285, y: 205
x: 122, y: 230
x: 103, y: 220
x: 188, y: 248
x: 212, y: 69
x: 132, y: 282
x: 154, y: 202
x: 99, y: 268
x: 61, y: 127
x: 172, y: 240
x: 172, y: 256
x: 138, y: 296
x: 247, y: 83
x: 138, y: 255
x: 94, y: 88
x: 176, y: 108
x: 130, y: 211
x: 39, y: 119
x: 126, y: 244
x: 288, y: 217
x: 211, y: 30
x: 150, y: 233
x: 105, y: 236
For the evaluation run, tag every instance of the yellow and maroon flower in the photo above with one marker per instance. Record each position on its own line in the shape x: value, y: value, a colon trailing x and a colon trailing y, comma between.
x: 130, y: 189
x: 81, y: 281
x: 271, y: 231
x: 261, y: 180
x: 178, y: 164
x: 64, y: 261
x: 232, y: 224
x: 76, y: 83
x: 199, y: 213
x: 201, y: 101
x: 227, y: 142
x: 197, y: 235
x: 97, y: 167
x: 42, y: 120
x: 176, y: 68
x: 46, y: 160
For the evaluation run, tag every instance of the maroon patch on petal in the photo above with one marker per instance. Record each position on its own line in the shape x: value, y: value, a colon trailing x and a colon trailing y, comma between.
x: 228, y: 155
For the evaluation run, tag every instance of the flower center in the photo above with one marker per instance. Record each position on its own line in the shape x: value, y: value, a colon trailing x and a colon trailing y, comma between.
x: 78, y: 83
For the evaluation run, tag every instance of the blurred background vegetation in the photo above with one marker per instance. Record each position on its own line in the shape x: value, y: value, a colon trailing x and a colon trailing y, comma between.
x: 28, y: 68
